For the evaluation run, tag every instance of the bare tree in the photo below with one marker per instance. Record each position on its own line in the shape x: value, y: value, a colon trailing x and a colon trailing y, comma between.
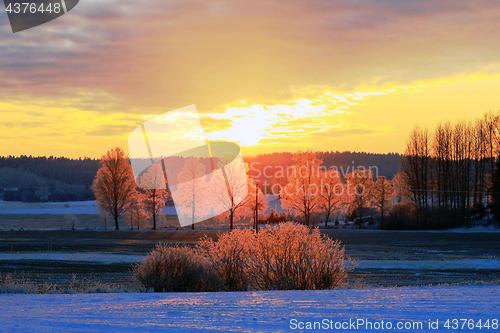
x: 302, y: 190
x: 154, y: 183
x: 332, y: 192
x: 416, y: 165
x: 360, y: 192
x: 189, y: 194
x: 235, y: 196
x: 114, y: 185
x: 382, y: 197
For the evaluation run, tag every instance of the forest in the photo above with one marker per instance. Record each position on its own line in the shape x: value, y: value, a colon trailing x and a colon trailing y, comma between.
x: 51, y: 179
x: 43, y: 179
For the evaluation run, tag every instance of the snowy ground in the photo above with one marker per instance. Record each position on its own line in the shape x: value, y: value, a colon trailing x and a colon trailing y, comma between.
x: 105, y: 258
x: 274, y: 311
x: 60, y: 208
x: 85, y: 207
x: 435, y: 265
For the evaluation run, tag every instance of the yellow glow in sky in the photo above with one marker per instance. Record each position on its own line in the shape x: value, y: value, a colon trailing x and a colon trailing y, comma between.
x: 269, y: 75
x: 319, y: 119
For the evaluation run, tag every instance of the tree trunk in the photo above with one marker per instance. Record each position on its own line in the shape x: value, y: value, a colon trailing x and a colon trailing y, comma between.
x: 154, y: 209
x: 382, y: 217
x: 116, y: 223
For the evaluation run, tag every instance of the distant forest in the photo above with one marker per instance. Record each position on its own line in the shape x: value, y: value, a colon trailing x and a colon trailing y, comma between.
x: 345, y: 162
x: 42, y: 179
x: 45, y: 179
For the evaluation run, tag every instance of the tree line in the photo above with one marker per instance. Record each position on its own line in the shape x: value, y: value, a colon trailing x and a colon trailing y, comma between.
x: 139, y: 198
x: 446, y: 179
x: 42, y: 179
x: 452, y: 173
x: 311, y: 190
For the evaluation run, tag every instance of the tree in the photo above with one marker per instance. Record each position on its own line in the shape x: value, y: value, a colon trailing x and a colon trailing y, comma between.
x: 331, y: 193
x: 382, y: 197
x: 495, y: 191
x: 302, y: 190
x: 256, y: 202
x: 114, y: 185
x: 360, y: 192
x: 401, y: 190
x: 190, y: 189
x: 136, y: 214
x: 417, y: 164
x: 154, y: 183
x: 235, y: 197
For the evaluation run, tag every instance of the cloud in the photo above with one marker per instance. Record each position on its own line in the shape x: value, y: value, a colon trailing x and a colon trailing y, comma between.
x: 109, y: 63
x: 110, y: 130
x: 173, y: 53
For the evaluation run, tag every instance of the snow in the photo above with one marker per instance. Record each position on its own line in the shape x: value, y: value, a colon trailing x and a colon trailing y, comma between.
x: 435, y: 265
x: 272, y: 311
x: 80, y: 256
x: 274, y: 203
x: 473, y: 229
x: 69, y: 207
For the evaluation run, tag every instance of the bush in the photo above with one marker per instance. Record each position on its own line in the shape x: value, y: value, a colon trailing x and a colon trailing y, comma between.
x: 15, y: 284
x: 290, y: 256
x: 282, y: 257
x: 175, y: 269
x: 229, y: 256
x: 286, y: 256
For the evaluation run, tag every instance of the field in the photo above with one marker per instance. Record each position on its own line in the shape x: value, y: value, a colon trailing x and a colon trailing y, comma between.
x: 411, y: 308
x: 385, y: 258
x: 406, y: 277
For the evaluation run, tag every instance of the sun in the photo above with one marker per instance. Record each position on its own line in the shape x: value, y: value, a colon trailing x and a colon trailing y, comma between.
x: 247, y: 133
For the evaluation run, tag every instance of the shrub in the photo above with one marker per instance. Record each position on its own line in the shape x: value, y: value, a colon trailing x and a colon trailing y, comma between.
x: 281, y: 257
x: 291, y: 256
x: 174, y: 269
x: 229, y: 256
x: 12, y: 284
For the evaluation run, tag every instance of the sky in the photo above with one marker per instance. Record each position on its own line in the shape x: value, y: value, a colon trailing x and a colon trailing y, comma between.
x: 268, y: 75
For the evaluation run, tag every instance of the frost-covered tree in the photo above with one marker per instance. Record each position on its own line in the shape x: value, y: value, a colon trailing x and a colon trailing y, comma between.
x: 189, y: 195
x: 114, y: 185
x: 236, y: 197
x: 332, y: 192
x: 154, y: 183
x: 302, y: 190
x: 382, y: 197
x: 360, y: 191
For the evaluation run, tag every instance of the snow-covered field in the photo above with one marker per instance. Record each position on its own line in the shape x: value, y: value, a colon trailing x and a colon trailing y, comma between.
x: 434, y: 265
x: 105, y: 258
x: 273, y: 311
x: 84, y: 207
x: 70, y: 207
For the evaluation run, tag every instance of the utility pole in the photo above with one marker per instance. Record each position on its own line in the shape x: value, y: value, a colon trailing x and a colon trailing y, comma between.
x: 256, y: 208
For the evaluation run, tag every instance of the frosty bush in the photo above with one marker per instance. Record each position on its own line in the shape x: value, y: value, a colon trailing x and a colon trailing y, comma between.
x: 290, y: 256
x: 286, y: 256
x: 283, y: 257
x: 230, y: 256
x: 176, y: 269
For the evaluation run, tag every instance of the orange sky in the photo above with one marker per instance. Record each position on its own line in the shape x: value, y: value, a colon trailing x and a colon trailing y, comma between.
x: 268, y: 75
